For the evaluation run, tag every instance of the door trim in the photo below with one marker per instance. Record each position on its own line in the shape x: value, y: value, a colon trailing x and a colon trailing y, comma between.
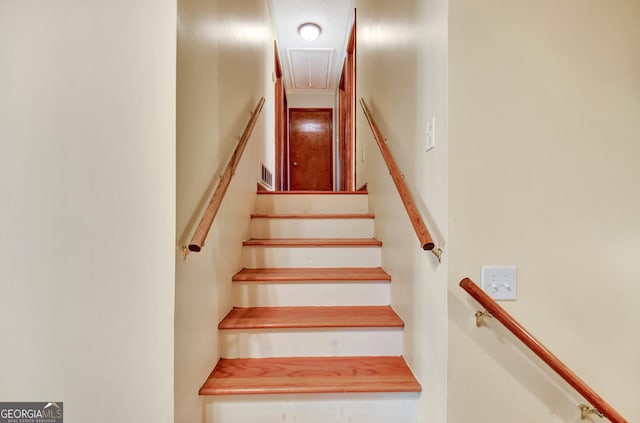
x: 281, y: 126
x: 331, y: 155
x: 347, y: 115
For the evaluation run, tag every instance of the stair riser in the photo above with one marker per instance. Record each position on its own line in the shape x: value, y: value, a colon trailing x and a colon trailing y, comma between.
x: 303, y: 203
x: 318, y: 343
x: 312, y: 294
x: 353, y: 408
x: 311, y: 228
x: 257, y: 257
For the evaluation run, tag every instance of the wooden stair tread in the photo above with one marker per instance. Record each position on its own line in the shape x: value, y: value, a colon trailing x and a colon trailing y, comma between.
x: 302, y: 274
x: 313, y: 242
x: 311, y: 317
x: 310, y: 375
x: 312, y: 216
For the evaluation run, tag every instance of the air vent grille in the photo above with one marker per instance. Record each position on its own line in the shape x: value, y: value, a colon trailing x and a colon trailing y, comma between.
x: 266, y: 177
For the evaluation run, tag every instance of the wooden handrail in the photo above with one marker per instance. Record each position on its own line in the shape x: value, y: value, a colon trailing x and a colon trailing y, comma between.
x: 426, y: 242
x: 197, y: 242
x: 541, y: 351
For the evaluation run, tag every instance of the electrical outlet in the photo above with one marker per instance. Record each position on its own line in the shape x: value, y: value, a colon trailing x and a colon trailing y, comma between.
x: 499, y: 282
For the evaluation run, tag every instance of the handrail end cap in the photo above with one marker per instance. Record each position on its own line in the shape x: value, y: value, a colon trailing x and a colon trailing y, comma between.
x: 465, y: 282
x: 428, y: 246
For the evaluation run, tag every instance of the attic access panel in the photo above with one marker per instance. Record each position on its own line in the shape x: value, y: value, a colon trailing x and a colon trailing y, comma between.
x: 310, y: 68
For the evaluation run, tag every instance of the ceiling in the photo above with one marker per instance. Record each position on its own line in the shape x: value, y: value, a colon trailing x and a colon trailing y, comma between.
x: 312, y: 66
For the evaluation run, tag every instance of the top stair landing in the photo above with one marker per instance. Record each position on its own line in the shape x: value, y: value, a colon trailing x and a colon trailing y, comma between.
x: 312, y: 202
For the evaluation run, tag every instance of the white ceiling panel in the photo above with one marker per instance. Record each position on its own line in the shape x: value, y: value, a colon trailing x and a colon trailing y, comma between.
x: 310, y: 68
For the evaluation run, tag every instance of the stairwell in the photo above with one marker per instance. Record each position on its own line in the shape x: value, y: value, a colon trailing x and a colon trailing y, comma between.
x: 313, y: 338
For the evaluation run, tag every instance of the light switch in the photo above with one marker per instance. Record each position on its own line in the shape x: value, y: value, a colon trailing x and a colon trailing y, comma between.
x: 499, y: 282
x: 431, y: 133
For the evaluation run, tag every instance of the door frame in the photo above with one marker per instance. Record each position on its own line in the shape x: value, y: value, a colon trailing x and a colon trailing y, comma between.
x: 281, y: 126
x: 347, y: 115
x: 331, y: 144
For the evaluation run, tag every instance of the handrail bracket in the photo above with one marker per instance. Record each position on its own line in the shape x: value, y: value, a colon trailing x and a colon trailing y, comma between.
x: 438, y: 253
x: 586, y: 411
x: 481, y: 315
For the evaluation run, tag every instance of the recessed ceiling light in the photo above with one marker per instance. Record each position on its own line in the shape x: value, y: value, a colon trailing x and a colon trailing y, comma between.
x: 309, y: 31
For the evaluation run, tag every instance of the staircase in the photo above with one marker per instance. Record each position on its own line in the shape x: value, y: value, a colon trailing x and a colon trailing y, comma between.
x: 313, y: 338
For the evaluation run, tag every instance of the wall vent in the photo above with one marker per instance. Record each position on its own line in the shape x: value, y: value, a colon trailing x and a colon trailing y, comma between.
x: 266, y: 177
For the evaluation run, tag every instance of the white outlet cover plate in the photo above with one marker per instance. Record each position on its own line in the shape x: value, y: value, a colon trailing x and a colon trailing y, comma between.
x: 500, y: 282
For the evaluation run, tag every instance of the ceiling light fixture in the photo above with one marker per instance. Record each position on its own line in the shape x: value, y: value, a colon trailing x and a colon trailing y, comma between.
x: 309, y: 31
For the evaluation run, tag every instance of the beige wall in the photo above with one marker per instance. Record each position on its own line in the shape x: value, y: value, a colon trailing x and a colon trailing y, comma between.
x: 326, y: 101
x: 87, y: 168
x: 543, y: 173
x: 402, y: 71
x: 225, y: 62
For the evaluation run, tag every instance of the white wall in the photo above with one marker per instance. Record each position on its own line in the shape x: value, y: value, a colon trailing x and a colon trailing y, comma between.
x: 402, y: 74
x: 308, y: 101
x: 225, y: 62
x: 87, y: 168
x: 544, y: 131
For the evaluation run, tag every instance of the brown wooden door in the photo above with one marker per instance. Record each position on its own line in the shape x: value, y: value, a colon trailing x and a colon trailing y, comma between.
x: 310, y: 149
